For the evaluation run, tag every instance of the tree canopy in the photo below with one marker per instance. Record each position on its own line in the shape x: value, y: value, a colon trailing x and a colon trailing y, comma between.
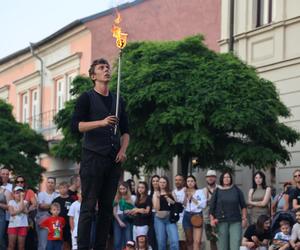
x: 184, y: 99
x: 20, y: 146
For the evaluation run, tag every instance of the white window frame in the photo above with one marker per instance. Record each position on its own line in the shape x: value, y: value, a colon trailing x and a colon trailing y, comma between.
x: 25, y: 107
x: 35, y: 108
x: 60, y: 94
x: 69, y: 78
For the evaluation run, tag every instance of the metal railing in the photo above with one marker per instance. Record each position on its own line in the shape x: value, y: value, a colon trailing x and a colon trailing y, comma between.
x: 43, y: 123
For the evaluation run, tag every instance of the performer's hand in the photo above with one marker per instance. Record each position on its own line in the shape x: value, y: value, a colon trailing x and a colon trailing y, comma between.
x: 110, y: 121
x: 121, y: 157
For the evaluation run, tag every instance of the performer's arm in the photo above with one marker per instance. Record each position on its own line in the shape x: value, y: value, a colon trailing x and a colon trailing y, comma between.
x: 121, y: 156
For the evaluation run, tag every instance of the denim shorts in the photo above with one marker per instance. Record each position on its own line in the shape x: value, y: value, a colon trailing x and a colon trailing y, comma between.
x: 186, y: 222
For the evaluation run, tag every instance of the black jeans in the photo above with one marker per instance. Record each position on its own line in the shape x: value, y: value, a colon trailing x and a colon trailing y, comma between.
x: 99, y: 181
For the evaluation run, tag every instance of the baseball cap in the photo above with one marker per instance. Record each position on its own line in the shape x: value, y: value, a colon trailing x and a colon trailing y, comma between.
x: 130, y: 243
x: 17, y: 188
x: 211, y: 173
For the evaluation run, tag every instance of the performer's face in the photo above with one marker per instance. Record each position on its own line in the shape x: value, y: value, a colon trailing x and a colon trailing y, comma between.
x: 101, y: 73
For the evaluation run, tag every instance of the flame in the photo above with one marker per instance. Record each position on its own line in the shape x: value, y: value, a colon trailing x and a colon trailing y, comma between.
x: 121, y: 38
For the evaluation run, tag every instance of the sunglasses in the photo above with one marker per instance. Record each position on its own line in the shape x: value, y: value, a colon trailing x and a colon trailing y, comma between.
x: 298, y: 175
x: 20, y: 182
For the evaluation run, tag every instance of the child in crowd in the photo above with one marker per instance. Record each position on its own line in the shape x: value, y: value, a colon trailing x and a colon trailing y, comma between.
x: 142, y: 243
x: 73, y: 214
x: 130, y: 245
x: 295, y: 237
x: 282, y: 238
x: 65, y: 201
x: 18, y: 221
x: 55, y: 225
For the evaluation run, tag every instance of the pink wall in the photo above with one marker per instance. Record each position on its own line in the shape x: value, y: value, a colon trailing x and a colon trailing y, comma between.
x: 14, y: 73
x: 84, y: 45
x: 159, y: 20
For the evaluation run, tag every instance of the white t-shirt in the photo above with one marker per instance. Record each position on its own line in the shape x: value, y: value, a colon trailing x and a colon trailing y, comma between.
x: 133, y: 199
x: 8, y: 187
x: 296, y: 232
x: 179, y: 197
x: 74, y: 212
x: 19, y: 220
x: 44, y: 197
x: 282, y: 236
x: 201, y: 202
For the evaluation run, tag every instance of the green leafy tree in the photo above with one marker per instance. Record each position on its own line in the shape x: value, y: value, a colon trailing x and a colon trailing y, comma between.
x: 20, y: 146
x: 184, y: 99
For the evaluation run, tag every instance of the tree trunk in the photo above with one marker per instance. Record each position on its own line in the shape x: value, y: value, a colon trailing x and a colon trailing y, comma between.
x: 185, y: 159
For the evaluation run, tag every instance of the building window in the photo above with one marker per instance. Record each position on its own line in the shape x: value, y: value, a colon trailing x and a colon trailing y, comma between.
x: 264, y: 12
x: 70, y: 78
x: 35, y: 109
x: 59, y: 94
x: 25, y: 108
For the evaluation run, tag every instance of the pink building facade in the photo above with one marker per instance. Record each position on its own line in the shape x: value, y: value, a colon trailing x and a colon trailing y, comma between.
x: 37, y: 82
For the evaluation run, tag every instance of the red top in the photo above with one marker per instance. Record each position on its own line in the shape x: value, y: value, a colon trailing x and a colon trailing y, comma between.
x: 55, y: 227
x: 29, y: 194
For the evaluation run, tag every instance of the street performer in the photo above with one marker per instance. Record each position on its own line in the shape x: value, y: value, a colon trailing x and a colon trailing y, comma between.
x: 103, y: 151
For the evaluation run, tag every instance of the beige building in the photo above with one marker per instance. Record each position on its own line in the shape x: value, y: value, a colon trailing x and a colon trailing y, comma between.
x: 266, y: 35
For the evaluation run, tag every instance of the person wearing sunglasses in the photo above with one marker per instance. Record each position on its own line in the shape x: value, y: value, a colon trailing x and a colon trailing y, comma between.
x: 296, y: 194
x: 30, y: 198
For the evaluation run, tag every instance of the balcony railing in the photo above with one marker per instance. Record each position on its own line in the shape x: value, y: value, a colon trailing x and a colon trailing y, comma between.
x: 44, y: 124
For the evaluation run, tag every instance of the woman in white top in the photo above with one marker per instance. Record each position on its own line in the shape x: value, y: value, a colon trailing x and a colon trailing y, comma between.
x: 18, y: 221
x: 194, y: 202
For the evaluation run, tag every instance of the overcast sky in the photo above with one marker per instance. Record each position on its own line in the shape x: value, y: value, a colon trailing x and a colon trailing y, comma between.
x: 24, y: 21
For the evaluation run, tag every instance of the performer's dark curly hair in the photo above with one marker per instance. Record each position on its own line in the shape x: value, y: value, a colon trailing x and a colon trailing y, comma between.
x: 93, y: 65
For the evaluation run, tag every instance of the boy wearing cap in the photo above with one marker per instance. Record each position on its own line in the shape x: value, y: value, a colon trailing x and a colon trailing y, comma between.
x: 18, y: 221
x: 211, y: 178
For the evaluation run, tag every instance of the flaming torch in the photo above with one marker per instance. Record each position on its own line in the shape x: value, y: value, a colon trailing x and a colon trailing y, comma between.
x: 121, y: 41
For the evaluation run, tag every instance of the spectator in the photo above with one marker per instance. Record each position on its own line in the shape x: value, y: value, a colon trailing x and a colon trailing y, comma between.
x: 65, y: 202
x: 4, y: 173
x: 194, y: 202
x: 74, y: 187
x: 123, y: 203
x: 142, y: 211
x: 162, y: 201
x: 5, y: 197
x: 154, y: 186
x: 179, y: 194
x: 44, y: 202
x: 30, y: 197
x: 131, y: 185
x: 54, y: 226
x: 258, y: 235
x: 295, y: 237
x: 259, y: 197
x: 296, y: 194
x: 73, y: 214
x: 142, y: 243
x: 288, y: 198
x: 279, y: 201
x: 211, y: 178
x: 18, y: 222
x: 282, y: 238
x: 228, y: 213
x: 130, y: 245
